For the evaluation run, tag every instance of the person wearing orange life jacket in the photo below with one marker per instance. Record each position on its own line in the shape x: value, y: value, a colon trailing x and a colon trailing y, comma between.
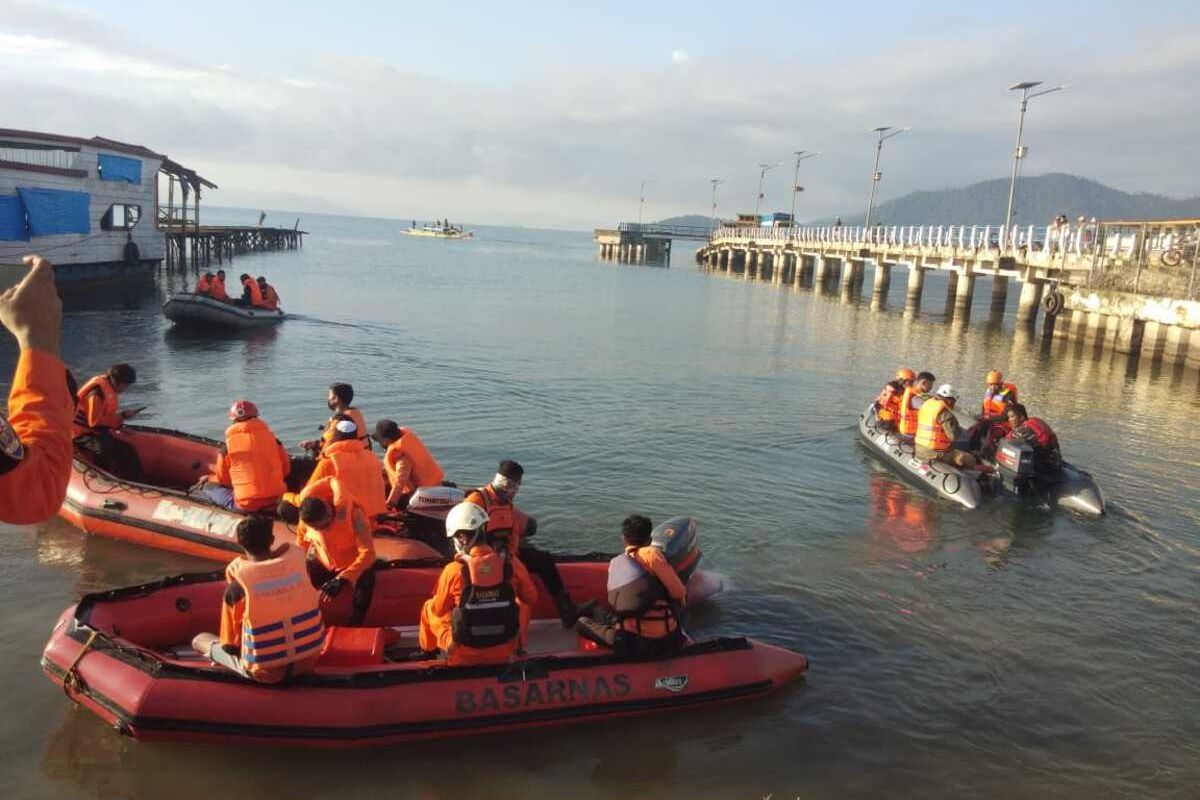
x: 251, y: 294
x: 409, y: 465
x: 646, y: 595
x: 35, y: 439
x: 98, y: 415
x: 887, y: 405
x: 938, y: 429
x: 205, y: 284
x: 271, y: 625
x: 251, y: 465
x: 358, y: 469
x: 992, y: 424
x: 339, y: 400
x: 910, y: 402
x: 217, y: 292
x: 508, y: 527
x: 475, y: 615
x: 335, y: 532
x: 270, y: 297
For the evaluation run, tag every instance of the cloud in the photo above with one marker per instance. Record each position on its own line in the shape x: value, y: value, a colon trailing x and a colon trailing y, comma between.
x: 567, y: 142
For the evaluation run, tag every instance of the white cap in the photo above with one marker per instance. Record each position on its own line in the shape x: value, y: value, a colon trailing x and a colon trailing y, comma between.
x: 346, y: 426
x: 947, y: 391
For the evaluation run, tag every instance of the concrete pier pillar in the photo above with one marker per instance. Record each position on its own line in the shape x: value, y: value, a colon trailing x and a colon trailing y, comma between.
x: 1154, y: 339
x: 883, y: 279
x: 999, y: 293
x: 964, y: 292
x: 751, y: 261
x: 951, y: 292
x: 915, y: 287
x: 1130, y: 333
x: 1028, y: 302
x: 821, y: 271
x: 1095, y: 328
x: 1176, y: 344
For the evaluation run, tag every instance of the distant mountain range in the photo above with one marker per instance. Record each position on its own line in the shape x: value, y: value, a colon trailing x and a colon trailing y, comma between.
x: 1040, y: 198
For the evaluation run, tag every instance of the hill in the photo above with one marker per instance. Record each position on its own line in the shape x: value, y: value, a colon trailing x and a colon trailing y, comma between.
x: 1040, y: 198
x: 687, y: 219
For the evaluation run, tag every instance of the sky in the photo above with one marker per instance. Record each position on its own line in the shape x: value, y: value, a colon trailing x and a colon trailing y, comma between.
x: 553, y: 114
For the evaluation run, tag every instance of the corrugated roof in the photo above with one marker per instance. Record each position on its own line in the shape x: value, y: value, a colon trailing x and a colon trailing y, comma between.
x: 168, y: 166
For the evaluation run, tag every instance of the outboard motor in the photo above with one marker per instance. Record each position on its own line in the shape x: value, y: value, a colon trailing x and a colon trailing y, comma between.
x: 679, y: 543
x: 425, y: 516
x: 1015, y: 461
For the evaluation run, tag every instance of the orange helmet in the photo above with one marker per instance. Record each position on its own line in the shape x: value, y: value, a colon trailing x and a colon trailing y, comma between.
x: 242, y: 409
x: 905, y: 374
x: 993, y: 376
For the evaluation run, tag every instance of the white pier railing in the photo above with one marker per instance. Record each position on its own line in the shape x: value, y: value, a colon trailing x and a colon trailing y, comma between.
x: 1016, y: 241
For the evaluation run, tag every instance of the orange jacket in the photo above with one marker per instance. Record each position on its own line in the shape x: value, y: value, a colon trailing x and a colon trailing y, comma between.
x: 254, y: 464
x: 410, y: 465
x: 203, y: 286
x: 908, y: 411
x: 359, y: 472
x: 39, y: 413
x: 996, y: 403
x: 888, y: 405
x: 504, y: 520
x: 270, y: 298
x: 98, y: 406
x: 252, y: 292
x: 654, y: 562
x: 346, y: 546
x: 218, y: 289
x: 354, y: 414
x: 435, y: 630
x: 931, y: 426
x: 276, y: 627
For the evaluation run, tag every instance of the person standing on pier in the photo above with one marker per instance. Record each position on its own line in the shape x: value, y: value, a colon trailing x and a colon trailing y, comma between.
x: 35, y: 439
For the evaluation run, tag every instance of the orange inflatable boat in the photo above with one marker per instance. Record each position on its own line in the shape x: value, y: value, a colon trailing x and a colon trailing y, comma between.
x: 124, y: 655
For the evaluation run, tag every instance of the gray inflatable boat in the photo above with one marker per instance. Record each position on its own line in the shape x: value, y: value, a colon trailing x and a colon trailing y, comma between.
x: 1073, y: 488
x: 201, y: 311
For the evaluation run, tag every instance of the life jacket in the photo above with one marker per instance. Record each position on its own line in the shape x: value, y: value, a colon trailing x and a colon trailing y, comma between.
x: 251, y: 286
x: 359, y: 472
x: 356, y: 415
x: 203, y: 286
x: 337, y: 546
x: 254, y: 466
x: 502, y: 522
x: 908, y: 412
x: 639, y: 599
x: 425, y: 469
x: 1042, y: 435
x: 270, y: 298
x: 889, y: 411
x: 996, y: 403
x: 487, y: 614
x: 930, y: 433
x: 282, y: 622
x: 217, y: 292
x: 110, y: 416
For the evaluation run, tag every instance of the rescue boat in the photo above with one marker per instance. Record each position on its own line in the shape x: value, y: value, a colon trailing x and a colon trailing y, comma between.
x: 201, y: 310
x: 1074, y: 489
x: 125, y: 656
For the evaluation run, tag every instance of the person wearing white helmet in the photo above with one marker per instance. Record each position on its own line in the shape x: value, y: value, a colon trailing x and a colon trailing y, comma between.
x: 480, y: 607
x: 251, y: 465
x: 938, y: 429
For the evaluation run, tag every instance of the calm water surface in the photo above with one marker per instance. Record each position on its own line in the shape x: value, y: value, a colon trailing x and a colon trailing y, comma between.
x: 1008, y: 652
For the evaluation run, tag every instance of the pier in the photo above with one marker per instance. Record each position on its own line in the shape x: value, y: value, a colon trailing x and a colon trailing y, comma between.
x: 198, y: 246
x: 637, y: 243
x: 1090, y: 273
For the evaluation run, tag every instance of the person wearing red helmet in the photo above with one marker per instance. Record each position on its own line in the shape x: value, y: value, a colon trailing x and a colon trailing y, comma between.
x: 251, y: 465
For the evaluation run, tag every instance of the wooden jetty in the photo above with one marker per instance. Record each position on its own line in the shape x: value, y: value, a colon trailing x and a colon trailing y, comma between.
x: 198, y: 246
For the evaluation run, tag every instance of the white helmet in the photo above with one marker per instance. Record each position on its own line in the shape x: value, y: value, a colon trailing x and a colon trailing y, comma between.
x: 947, y: 391
x: 465, y: 517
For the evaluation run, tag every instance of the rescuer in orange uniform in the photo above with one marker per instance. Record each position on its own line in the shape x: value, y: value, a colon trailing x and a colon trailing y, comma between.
x: 341, y: 395
x: 35, y: 440
x: 251, y: 294
x: 646, y: 595
x: 938, y: 429
x: 992, y: 425
x: 270, y: 297
x: 218, y: 287
x: 334, y: 530
x: 408, y: 463
x: 508, y: 528
x: 356, y: 468
x: 98, y: 415
x: 475, y: 613
x: 910, y: 402
x: 205, y: 284
x: 271, y: 626
x: 251, y: 465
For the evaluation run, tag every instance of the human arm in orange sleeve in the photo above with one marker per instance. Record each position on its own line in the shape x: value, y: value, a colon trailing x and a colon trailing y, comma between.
x: 662, y: 569
x: 39, y: 411
x: 220, y: 471
x: 324, y: 469
x: 365, y: 545
x: 448, y: 590
x: 523, y: 584
x: 233, y: 610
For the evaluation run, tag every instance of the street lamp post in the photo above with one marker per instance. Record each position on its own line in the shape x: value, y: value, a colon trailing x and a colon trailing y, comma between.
x: 762, y: 171
x: 796, y: 187
x: 885, y: 132
x: 642, y: 198
x: 1024, y: 88
x: 715, y: 183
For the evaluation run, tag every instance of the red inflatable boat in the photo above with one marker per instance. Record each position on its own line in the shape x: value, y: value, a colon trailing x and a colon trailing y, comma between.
x: 124, y: 655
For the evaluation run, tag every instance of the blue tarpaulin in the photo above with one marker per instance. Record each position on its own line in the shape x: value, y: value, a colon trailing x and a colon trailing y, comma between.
x: 119, y: 168
x: 52, y: 211
x: 12, y: 219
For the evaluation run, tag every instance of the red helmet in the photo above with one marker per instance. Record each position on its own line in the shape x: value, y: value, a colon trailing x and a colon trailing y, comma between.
x: 242, y: 409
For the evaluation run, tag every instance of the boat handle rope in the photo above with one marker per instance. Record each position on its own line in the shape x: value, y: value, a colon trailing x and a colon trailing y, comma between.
x: 71, y: 680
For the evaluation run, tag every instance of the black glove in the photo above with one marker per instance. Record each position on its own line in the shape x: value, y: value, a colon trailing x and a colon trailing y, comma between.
x: 332, y: 587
